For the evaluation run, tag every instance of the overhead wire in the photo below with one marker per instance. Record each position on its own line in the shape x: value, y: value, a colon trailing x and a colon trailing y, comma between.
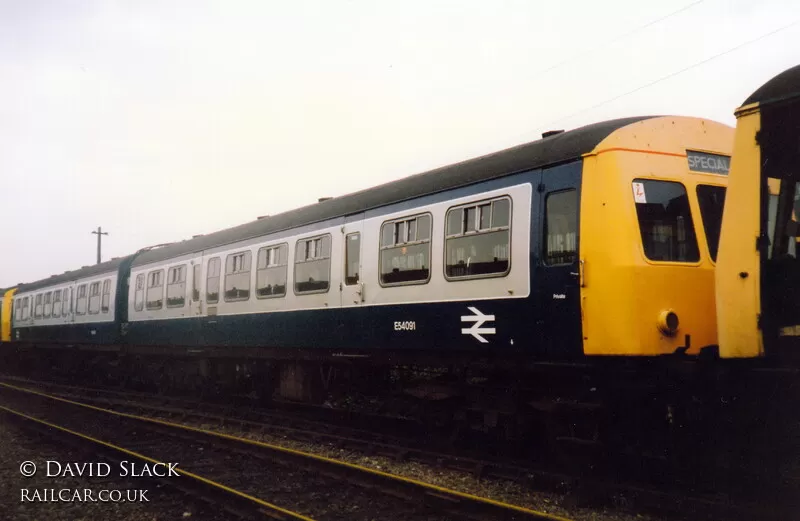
x: 618, y: 38
x: 673, y: 74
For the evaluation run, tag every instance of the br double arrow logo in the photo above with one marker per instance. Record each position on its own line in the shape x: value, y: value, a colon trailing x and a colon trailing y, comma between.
x: 477, y: 330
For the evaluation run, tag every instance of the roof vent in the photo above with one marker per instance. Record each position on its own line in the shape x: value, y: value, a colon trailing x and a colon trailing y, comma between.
x: 551, y: 133
x: 198, y: 235
x: 114, y: 258
x: 84, y: 267
x: 261, y: 217
x: 323, y: 199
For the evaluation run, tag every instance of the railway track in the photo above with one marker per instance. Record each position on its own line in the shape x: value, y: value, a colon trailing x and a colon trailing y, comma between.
x: 664, y: 500
x: 378, y: 441
x: 261, y: 479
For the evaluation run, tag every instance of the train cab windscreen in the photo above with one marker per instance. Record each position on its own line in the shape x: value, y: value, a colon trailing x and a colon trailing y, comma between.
x: 712, y: 201
x: 665, y: 221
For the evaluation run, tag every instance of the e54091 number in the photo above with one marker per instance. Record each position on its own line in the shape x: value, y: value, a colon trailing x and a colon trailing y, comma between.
x: 409, y: 325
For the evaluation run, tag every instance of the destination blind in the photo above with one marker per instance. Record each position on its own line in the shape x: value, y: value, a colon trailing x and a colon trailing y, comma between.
x: 708, y: 163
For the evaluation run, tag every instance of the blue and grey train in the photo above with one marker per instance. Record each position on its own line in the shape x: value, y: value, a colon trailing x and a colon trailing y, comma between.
x: 575, y: 247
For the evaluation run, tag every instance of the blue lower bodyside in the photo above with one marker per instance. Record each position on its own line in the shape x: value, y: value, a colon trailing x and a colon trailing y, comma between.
x: 434, y: 326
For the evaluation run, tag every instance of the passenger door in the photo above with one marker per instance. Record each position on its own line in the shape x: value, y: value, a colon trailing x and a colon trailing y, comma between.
x: 352, y: 285
x: 558, y: 269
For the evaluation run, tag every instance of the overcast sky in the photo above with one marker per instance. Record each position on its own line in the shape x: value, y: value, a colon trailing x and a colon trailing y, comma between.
x: 159, y: 120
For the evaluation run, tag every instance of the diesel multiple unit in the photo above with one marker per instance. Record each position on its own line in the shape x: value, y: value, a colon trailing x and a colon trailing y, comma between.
x: 583, y: 243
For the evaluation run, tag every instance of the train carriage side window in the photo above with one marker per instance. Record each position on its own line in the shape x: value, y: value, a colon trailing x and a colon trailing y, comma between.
x: 26, y: 308
x: 478, y: 240
x: 561, y: 228
x: 80, y: 300
x: 197, y: 272
x: 711, y: 200
x: 155, y: 290
x: 405, y: 251
x: 48, y: 304
x: 237, y: 276
x: 18, y: 309
x: 138, y: 295
x: 105, y: 305
x: 66, y: 304
x: 212, y: 281
x: 271, y: 271
x: 94, y: 298
x: 352, y: 258
x: 665, y: 221
x: 176, y: 286
x: 37, y: 310
x: 312, y: 265
x: 57, y: 303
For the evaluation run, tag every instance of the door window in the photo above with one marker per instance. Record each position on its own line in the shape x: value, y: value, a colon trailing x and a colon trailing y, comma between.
x: 138, y: 298
x: 57, y: 304
x: 352, y: 258
x: 212, y: 281
x: 196, y: 274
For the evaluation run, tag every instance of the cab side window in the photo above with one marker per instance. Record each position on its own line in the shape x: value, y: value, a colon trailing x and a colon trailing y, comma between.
x: 561, y: 228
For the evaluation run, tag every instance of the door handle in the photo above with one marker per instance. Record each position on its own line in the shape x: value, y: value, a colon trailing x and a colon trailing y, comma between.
x: 579, y: 273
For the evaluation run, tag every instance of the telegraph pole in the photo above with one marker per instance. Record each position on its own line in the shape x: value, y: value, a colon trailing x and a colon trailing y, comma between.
x: 100, y: 234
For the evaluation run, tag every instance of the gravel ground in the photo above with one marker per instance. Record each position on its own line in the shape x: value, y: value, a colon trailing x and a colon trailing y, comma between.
x: 499, y: 490
x: 20, y: 445
x: 303, y: 490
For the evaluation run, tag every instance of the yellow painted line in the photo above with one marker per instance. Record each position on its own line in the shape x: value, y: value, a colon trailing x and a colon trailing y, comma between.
x: 151, y: 460
x: 332, y: 461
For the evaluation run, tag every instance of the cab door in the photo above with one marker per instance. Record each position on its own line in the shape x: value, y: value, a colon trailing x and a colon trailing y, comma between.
x: 352, y: 285
x: 558, y: 270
